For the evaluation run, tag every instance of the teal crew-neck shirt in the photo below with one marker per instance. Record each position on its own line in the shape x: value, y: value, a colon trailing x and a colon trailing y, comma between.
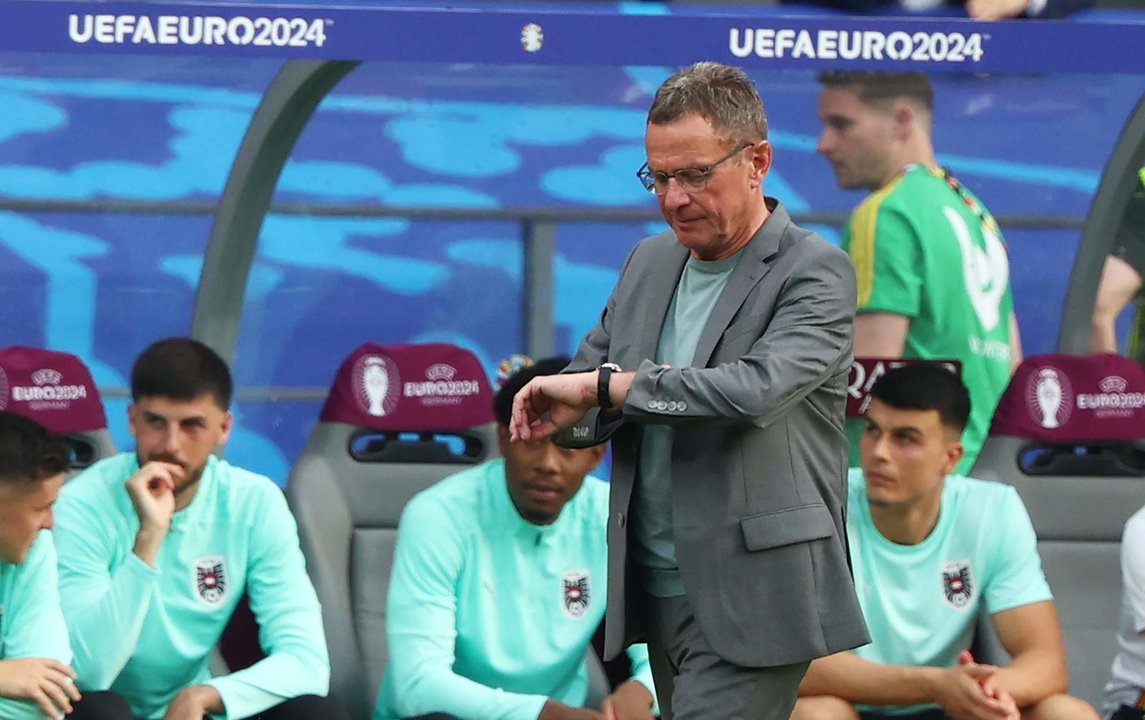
x: 654, y: 546
x: 921, y: 602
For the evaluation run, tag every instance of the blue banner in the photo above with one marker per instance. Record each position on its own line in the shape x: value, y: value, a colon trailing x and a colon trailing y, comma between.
x: 755, y: 37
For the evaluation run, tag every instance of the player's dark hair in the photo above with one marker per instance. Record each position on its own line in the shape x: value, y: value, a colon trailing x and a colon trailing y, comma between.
x: 876, y: 86
x: 181, y: 369
x: 926, y: 386
x: 503, y: 401
x: 723, y: 95
x: 28, y: 451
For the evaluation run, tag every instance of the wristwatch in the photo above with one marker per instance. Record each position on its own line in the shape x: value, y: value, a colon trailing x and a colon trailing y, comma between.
x: 604, y: 374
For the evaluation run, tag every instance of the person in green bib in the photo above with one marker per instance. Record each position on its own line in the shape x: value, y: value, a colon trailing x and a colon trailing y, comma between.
x: 931, y: 264
x: 498, y: 586
x: 931, y: 550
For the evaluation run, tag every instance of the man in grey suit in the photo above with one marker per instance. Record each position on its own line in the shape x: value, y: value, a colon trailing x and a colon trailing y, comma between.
x: 720, y: 362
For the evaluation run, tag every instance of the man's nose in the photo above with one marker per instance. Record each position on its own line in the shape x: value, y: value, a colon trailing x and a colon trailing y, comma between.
x: 825, y: 144
x: 548, y: 461
x: 880, y: 447
x: 675, y: 195
x: 171, y: 440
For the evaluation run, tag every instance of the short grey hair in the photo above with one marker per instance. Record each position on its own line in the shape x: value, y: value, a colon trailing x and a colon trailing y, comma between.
x: 721, y: 94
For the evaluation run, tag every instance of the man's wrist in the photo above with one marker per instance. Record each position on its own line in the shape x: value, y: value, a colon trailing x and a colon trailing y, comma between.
x: 931, y: 681
x: 147, y: 543
x: 604, y: 385
x: 206, y: 697
x: 638, y: 689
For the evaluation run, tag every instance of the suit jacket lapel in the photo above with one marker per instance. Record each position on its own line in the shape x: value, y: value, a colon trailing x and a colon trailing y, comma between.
x: 657, y: 299
x: 750, y: 269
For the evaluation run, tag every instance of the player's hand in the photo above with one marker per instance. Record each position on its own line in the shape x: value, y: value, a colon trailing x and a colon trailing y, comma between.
x: 48, y: 683
x: 152, y: 491
x: 631, y: 701
x: 555, y: 710
x: 995, y: 9
x: 194, y: 702
x: 991, y: 688
x: 960, y: 693
x: 551, y: 403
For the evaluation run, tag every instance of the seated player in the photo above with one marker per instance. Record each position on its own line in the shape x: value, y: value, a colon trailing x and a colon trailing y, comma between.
x: 498, y: 586
x: 930, y: 550
x: 158, y: 545
x: 35, y: 679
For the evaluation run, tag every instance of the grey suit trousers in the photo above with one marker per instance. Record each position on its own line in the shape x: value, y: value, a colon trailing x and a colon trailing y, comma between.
x: 694, y: 683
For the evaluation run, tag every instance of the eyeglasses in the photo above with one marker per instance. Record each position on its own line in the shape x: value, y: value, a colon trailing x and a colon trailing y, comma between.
x: 691, y: 179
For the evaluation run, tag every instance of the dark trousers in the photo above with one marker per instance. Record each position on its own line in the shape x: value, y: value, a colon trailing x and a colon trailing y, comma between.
x: 110, y: 706
x: 104, y: 705
x: 1128, y: 712
x: 306, y: 707
x: 694, y: 683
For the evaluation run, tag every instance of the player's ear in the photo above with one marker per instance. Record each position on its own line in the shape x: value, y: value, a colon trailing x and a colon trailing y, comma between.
x: 761, y: 155
x: 905, y: 119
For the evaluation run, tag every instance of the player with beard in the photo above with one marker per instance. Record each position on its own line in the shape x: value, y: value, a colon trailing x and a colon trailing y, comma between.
x: 157, y: 546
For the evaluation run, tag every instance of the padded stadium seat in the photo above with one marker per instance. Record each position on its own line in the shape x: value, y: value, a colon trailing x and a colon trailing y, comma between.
x: 56, y: 390
x: 397, y: 420
x: 1068, y: 435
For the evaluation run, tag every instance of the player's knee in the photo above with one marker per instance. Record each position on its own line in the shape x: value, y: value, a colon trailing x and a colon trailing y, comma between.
x: 824, y: 708
x: 1060, y: 707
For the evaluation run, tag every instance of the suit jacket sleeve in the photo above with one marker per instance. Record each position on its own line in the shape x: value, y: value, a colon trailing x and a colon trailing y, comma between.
x: 807, y: 340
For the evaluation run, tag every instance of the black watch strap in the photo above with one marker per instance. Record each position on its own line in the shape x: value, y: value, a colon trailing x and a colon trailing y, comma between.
x: 603, y: 377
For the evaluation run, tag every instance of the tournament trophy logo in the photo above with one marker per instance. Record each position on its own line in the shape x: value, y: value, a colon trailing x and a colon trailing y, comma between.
x: 1049, y: 398
x: 532, y: 37
x: 376, y: 384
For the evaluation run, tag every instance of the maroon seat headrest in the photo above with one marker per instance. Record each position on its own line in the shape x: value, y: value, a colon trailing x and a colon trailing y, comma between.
x: 866, y: 370
x: 434, y: 386
x: 53, y: 388
x: 1073, y: 398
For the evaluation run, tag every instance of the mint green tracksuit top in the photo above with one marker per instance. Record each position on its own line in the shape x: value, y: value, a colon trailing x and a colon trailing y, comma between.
x: 146, y: 632
x: 32, y: 625
x: 488, y: 615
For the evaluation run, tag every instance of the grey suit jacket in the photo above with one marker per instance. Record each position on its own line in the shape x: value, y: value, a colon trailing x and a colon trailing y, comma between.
x: 759, y: 461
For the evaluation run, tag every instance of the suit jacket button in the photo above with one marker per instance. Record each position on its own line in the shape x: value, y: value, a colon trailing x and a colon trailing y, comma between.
x: 682, y: 406
x: 651, y: 404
